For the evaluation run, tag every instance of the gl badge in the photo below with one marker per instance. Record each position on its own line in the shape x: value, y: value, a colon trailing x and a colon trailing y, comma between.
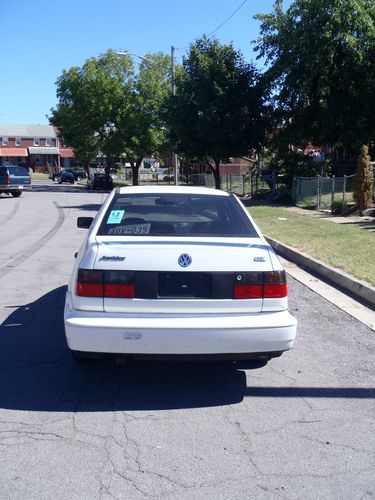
x: 185, y: 260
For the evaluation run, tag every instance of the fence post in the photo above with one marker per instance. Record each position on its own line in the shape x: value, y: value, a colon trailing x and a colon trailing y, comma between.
x: 318, y: 193
x: 344, y: 191
x: 294, y: 190
x: 332, y: 192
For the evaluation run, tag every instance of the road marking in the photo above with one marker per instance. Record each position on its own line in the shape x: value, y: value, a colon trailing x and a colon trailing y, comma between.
x: 32, y: 249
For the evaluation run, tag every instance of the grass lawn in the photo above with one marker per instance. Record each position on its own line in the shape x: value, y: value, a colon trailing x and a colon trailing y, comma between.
x: 345, y: 246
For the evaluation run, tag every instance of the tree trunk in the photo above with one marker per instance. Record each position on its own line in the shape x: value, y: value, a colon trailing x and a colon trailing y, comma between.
x: 214, y: 167
x: 135, y: 170
x: 134, y: 173
x: 216, y: 173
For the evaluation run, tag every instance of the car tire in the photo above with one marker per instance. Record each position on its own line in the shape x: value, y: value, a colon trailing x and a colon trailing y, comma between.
x: 16, y: 194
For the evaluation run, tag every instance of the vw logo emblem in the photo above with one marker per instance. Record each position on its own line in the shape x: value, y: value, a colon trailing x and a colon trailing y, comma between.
x: 185, y: 260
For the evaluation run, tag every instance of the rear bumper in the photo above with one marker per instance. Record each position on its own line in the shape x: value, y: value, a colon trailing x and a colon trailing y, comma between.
x: 199, y: 334
x: 13, y: 187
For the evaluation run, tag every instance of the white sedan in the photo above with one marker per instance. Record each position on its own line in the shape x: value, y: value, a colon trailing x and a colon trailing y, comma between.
x: 177, y: 272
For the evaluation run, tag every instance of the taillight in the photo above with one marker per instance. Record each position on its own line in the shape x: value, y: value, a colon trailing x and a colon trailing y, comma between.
x: 275, y: 286
x: 119, y: 284
x: 248, y: 292
x: 90, y: 283
x: 7, y: 179
x: 248, y: 286
x: 110, y: 284
x: 267, y: 285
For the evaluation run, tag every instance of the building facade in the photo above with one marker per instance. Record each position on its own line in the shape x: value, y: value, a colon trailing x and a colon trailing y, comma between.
x: 38, y: 147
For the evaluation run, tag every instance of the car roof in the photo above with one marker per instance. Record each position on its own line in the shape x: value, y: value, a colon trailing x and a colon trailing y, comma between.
x: 172, y: 190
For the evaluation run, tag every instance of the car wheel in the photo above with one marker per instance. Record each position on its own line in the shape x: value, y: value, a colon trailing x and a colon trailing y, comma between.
x: 16, y: 194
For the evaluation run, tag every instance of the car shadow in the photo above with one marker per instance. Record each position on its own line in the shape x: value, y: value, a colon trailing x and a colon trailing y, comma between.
x: 64, y: 188
x: 57, y: 188
x: 90, y: 207
x: 38, y: 373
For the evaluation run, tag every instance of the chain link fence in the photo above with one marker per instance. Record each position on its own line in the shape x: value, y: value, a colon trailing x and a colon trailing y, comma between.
x: 321, y: 193
x: 238, y: 184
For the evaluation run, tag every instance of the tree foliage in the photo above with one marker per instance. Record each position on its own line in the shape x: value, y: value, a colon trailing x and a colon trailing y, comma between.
x: 320, y: 56
x: 218, y: 110
x: 107, y: 107
x: 363, y: 187
x: 146, y: 131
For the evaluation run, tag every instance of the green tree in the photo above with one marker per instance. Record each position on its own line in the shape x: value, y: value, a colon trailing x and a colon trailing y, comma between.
x: 363, y: 187
x: 218, y: 109
x: 92, y: 101
x: 320, y: 66
x: 107, y: 107
x: 146, y: 133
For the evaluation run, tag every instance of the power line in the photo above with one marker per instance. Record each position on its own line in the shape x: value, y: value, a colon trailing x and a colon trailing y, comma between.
x: 226, y: 20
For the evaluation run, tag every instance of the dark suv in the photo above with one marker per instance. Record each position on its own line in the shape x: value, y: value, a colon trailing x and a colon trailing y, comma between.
x: 100, y: 181
x: 13, y: 179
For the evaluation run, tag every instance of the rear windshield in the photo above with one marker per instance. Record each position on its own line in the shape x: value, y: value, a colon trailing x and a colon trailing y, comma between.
x: 18, y: 171
x: 175, y: 215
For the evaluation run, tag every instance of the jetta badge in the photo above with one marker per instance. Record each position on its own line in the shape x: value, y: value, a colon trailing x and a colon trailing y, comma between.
x: 111, y: 258
x: 185, y: 260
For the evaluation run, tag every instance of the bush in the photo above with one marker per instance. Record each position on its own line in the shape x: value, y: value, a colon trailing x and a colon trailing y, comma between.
x: 363, y: 182
x: 339, y: 207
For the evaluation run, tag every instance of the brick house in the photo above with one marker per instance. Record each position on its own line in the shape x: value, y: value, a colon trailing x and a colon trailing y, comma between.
x: 38, y: 147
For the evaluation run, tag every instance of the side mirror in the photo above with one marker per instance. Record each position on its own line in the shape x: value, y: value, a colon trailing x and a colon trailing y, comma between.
x: 84, y: 222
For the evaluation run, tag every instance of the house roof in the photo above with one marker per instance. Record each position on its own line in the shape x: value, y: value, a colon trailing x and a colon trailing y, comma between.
x: 13, y: 152
x: 27, y: 131
x: 67, y: 153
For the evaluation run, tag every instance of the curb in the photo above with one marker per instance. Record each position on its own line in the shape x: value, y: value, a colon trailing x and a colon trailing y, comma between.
x: 352, y: 286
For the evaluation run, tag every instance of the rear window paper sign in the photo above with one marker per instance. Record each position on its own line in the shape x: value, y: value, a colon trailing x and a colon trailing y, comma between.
x: 115, y: 217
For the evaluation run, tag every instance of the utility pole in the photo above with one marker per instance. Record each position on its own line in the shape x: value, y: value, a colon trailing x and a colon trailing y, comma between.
x: 174, y: 156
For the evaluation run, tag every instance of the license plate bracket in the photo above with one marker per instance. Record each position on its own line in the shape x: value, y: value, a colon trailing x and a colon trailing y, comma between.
x: 182, y: 285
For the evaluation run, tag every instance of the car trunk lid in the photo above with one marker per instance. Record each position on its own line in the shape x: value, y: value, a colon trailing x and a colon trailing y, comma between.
x: 192, y: 275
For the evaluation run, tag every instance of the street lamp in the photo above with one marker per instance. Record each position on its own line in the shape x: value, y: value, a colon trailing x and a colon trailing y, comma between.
x: 126, y: 53
x: 173, y: 82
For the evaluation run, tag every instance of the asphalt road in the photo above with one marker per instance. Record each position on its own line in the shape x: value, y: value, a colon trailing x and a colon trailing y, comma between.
x: 301, y: 427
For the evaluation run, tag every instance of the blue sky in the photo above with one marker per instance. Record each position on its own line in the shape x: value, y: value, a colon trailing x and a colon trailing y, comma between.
x: 41, y: 38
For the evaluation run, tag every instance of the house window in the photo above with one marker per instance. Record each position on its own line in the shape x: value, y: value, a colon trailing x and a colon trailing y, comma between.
x: 18, y: 141
x: 36, y: 141
x: 48, y: 141
x: 5, y: 141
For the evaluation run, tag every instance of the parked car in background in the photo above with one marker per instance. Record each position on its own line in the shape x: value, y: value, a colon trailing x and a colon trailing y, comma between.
x: 182, y: 179
x: 13, y: 179
x: 78, y: 174
x: 65, y: 177
x: 100, y: 181
x: 177, y: 272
